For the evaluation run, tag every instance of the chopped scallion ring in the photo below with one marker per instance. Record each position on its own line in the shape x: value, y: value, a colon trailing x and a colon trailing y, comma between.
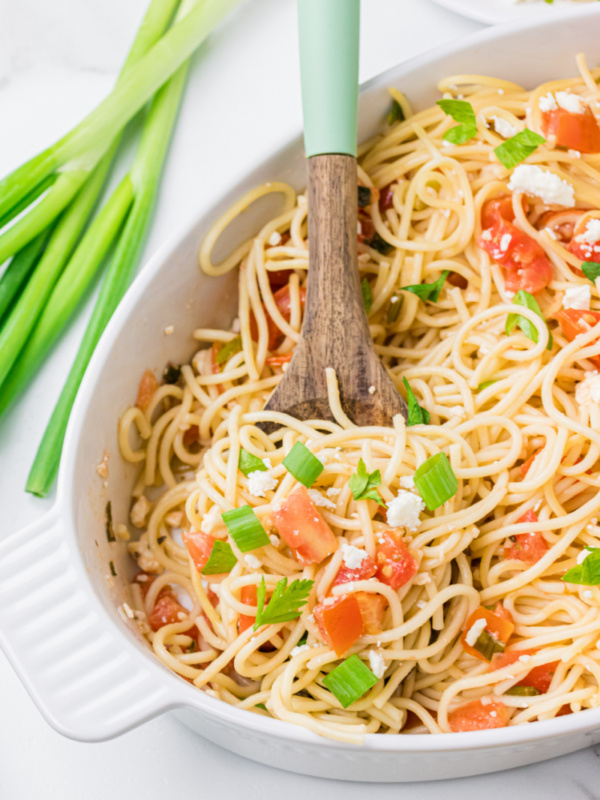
x: 303, y: 465
x: 245, y: 529
x: 436, y: 481
x: 350, y: 680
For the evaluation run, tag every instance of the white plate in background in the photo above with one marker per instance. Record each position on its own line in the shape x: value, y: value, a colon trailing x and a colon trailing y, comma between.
x: 496, y: 11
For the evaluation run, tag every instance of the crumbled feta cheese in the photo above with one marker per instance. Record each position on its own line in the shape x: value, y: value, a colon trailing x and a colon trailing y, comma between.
x: 333, y: 492
x: 236, y: 326
x: 372, y: 390
x: 591, y: 234
x: 300, y: 648
x: 587, y: 594
x: 524, y: 658
x: 353, y: 556
x: 252, y: 561
x: 377, y: 664
x: 574, y: 153
x: 577, y: 297
x: 211, y: 520
x: 570, y: 102
x: 319, y: 500
x: 274, y: 238
x: 475, y: 631
x: 274, y: 540
x: 267, y: 462
x: 404, y: 510
x: 547, y: 186
x: 505, y: 242
x: 457, y: 411
x: 486, y: 235
x: 407, y: 482
x: 504, y: 128
x: 174, y: 519
x: 588, y: 391
x: 260, y: 482
x: 485, y: 701
x: 548, y: 103
x: 493, y: 713
x: 139, y: 512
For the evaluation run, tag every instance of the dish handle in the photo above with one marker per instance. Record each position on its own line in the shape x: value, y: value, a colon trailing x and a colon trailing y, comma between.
x: 80, y: 670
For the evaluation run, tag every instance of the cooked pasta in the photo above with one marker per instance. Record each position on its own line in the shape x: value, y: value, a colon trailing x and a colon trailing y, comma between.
x: 464, y: 620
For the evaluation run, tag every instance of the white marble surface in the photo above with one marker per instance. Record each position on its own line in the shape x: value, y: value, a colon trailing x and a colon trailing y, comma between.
x: 57, y: 60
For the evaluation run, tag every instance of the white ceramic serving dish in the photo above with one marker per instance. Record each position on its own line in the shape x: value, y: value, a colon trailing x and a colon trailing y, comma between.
x: 498, y: 11
x: 88, y: 671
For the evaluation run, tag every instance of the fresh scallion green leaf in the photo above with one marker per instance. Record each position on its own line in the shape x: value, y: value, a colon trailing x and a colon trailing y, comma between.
x: 303, y: 639
x: 394, y: 307
x: 248, y: 463
x: 485, y: 385
x: 261, y: 706
x: 285, y: 603
x: 364, y: 196
x: 245, y: 529
x: 591, y: 270
x: 488, y: 645
x: 523, y: 691
x: 367, y: 294
x: 380, y: 244
x: 428, y: 291
x: 527, y: 300
x: 518, y: 147
x: 303, y: 465
x: 588, y: 572
x: 350, y: 680
x: 462, y: 112
x: 17, y: 273
x: 362, y: 484
x: 396, y: 114
x: 228, y: 350
x: 417, y: 415
x: 435, y: 481
x: 221, y: 559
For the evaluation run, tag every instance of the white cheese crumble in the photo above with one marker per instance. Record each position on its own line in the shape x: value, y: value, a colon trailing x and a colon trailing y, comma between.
x: 139, y: 511
x: 588, y: 391
x: 377, y: 664
x: 333, y: 492
x: 524, y: 658
x: 504, y: 128
x: 274, y: 238
x: 404, y: 510
x: 578, y: 297
x: 353, y: 556
x: 407, y: 482
x: 547, y: 186
x: 252, y: 561
x: 475, y: 631
x: 319, y: 500
x: 274, y: 540
x: 260, y: 482
x: 570, y: 102
x: 300, y: 648
x: 587, y: 594
x: 548, y: 103
x: 505, y: 242
x: 591, y: 234
x: 457, y: 411
x: 486, y: 236
x: 211, y: 520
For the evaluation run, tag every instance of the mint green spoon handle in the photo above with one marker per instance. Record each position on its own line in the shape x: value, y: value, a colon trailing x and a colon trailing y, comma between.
x: 329, y: 38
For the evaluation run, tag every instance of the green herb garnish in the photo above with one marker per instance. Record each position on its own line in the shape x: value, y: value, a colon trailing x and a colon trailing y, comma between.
x: 417, y: 415
x: 364, y: 196
x: 108, y: 523
x: 367, y: 294
x: 394, y: 307
x: 379, y: 244
x: 461, y: 112
x: 523, y: 691
x: 228, y: 350
x: 428, y: 291
x: 396, y: 114
x: 523, y: 298
x: 248, y: 463
x: 261, y: 705
x: 221, y: 559
x: 435, y: 481
x: 171, y: 373
x: 285, y: 603
x: 485, y: 385
x: 591, y: 270
x: 518, y: 147
x: 245, y: 529
x: 588, y: 572
x: 113, y: 571
x: 362, y: 484
x: 488, y: 645
x: 350, y: 680
x: 302, y: 464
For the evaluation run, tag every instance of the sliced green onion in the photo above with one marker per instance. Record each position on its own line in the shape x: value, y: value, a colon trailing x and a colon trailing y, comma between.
x: 228, y: 350
x: 108, y: 522
x: 303, y: 465
x: 245, y: 529
x: 436, y: 481
x: 350, y: 680
x: 428, y: 291
x: 17, y: 273
x: 523, y: 298
x: 380, y: 244
x: 523, y: 691
x: 487, y: 645
x: 591, y: 270
x: 396, y: 114
x: 367, y: 294
x: 364, y: 196
x: 417, y: 415
x: 285, y: 603
x: 518, y: 147
x: 248, y: 463
x: 461, y: 112
x: 394, y: 307
x: 221, y: 559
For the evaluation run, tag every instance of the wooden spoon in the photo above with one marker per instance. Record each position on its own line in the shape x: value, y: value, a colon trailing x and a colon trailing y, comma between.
x: 335, y: 331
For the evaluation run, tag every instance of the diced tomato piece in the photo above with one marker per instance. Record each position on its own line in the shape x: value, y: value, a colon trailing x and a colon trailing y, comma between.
x: 166, y: 610
x: 495, y: 624
x: 146, y: 389
x: 372, y: 608
x: 302, y: 527
x: 283, y: 302
x: 503, y: 613
x: 277, y: 361
x: 199, y: 546
x: 526, y: 465
x: 523, y: 259
x: 395, y: 565
x: 363, y: 572
x: 573, y: 131
x: 479, y: 716
x: 191, y: 435
x: 249, y: 598
x: 529, y: 547
x: 340, y: 621
x: 574, y: 321
x: 578, y: 245
x: 539, y: 678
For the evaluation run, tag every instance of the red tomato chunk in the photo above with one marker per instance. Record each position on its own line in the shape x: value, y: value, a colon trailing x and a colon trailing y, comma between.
x: 529, y: 547
x: 304, y: 530
x: 573, y: 131
x: 340, y: 621
x: 479, y: 716
x: 395, y: 565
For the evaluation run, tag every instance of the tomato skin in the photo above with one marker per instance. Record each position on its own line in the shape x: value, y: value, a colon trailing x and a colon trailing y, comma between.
x: 248, y: 597
x: 304, y: 530
x: 277, y: 361
x: 340, y: 621
x: 528, y: 547
x: 146, y: 389
x: 573, y: 131
x: 366, y: 570
x: 199, y: 546
x: 283, y: 302
x: 496, y: 624
x: 372, y: 608
x: 574, y: 321
x: 524, y: 260
x: 538, y: 677
x: 475, y: 716
x: 395, y: 565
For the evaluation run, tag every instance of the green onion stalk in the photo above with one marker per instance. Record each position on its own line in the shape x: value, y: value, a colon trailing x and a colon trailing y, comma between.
x: 136, y: 193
